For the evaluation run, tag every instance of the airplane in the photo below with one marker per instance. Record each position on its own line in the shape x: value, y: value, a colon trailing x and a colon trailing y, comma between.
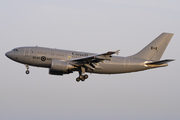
x: 62, y: 62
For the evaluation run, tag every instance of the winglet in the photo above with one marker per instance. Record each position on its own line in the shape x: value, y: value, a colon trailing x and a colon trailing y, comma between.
x: 117, y: 52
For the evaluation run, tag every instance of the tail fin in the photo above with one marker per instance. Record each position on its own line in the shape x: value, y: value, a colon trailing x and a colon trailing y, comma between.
x: 155, y: 49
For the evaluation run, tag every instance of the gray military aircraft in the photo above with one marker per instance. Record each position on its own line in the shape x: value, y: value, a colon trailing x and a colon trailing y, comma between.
x: 62, y: 62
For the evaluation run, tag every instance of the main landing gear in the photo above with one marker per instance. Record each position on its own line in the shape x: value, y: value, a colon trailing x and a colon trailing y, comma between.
x: 81, y: 76
x: 27, y: 71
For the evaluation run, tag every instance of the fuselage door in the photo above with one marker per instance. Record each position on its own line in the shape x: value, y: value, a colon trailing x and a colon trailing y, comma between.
x: 27, y: 52
x: 126, y: 63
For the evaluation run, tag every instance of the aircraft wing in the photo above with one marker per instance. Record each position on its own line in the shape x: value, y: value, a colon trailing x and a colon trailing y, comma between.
x: 90, y: 61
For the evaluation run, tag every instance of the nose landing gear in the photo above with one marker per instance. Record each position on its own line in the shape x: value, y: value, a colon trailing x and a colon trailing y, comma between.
x: 27, y: 71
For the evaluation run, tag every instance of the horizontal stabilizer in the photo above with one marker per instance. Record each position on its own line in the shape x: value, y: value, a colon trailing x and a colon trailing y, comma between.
x: 160, y: 62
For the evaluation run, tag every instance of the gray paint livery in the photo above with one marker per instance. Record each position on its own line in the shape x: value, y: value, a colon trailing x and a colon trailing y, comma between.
x: 62, y: 62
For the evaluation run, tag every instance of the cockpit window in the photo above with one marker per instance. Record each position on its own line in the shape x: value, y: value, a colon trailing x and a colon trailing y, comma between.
x: 16, y: 50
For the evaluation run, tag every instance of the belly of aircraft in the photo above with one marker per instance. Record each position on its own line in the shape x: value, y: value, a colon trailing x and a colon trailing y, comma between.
x: 118, y: 68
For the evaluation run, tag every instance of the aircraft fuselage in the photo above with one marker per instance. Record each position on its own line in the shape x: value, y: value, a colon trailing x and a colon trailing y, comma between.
x: 42, y: 57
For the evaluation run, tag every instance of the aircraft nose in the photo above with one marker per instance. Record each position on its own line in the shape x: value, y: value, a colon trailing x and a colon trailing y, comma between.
x: 9, y: 55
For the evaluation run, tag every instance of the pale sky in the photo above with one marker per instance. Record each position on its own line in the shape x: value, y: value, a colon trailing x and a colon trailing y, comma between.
x: 91, y: 26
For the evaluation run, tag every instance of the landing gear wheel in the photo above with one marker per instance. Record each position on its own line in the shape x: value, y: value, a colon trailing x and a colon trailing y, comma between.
x: 77, y: 79
x: 27, y: 71
x: 85, y: 76
x: 83, y: 79
x: 81, y: 76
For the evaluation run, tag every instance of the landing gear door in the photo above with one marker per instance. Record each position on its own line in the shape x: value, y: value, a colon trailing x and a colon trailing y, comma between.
x: 27, y: 52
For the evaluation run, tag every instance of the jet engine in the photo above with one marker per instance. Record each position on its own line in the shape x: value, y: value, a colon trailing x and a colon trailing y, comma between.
x: 59, y: 67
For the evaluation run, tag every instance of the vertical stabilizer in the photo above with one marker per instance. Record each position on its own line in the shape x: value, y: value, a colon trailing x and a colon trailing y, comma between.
x: 155, y: 49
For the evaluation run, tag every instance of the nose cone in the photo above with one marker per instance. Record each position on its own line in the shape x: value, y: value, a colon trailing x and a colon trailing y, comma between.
x: 7, y: 54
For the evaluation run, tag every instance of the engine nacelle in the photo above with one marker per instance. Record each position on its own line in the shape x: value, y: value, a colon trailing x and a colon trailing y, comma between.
x: 53, y: 72
x: 60, y: 66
